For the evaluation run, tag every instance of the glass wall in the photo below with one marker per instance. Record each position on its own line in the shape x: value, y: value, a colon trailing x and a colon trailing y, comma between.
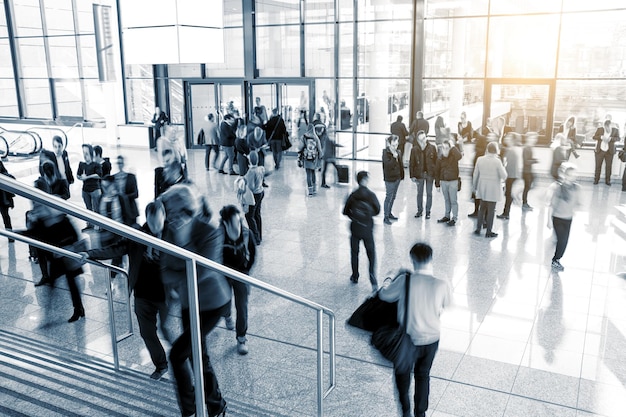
x: 543, y: 60
x: 54, y: 46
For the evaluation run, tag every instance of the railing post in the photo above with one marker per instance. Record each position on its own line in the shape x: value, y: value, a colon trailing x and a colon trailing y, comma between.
x: 116, y: 359
x: 196, y: 339
x: 320, y: 363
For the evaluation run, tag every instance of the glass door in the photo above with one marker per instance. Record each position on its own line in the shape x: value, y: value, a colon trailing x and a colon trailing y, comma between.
x: 295, y: 109
x: 262, y: 99
x: 521, y: 107
x: 202, y: 101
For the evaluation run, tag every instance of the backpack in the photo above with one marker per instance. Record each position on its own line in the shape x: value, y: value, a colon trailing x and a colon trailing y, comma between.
x: 360, y: 211
x: 310, y: 152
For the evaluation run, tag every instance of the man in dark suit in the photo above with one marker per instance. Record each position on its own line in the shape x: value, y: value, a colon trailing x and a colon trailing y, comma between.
x: 58, y: 156
x: 159, y: 119
x: 605, y: 138
x: 126, y: 184
x: 399, y: 129
x: 419, y: 124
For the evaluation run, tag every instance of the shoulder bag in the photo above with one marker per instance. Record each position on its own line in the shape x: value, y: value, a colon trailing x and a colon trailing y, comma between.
x: 394, y: 343
x: 373, y: 314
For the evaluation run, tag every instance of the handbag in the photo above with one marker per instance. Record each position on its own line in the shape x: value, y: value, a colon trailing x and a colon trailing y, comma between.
x: 394, y: 343
x: 622, y: 156
x: 286, y: 143
x: 373, y: 314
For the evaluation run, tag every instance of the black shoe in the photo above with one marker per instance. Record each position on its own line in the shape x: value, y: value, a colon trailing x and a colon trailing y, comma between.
x: 595, y: 182
x: 474, y: 214
x: 78, y: 313
x: 477, y: 232
x: 452, y: 222
x: 158, y: 373
x: 265, y: 185
x: 427, y: 215
x: 387, y: 221
x: 443, y: 220
x: 608, y: 183
x: 232, y: 173
x: 221, y: 171
x: 354, y: 280
x: 491, y: 234
x: 392, y: 217
x: 503, y: 216
x: 325, y: 186
x: 44, y: 281
x: 418, y: 214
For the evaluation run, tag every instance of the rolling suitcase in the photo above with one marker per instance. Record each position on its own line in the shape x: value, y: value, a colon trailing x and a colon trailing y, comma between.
x: 343, y: 174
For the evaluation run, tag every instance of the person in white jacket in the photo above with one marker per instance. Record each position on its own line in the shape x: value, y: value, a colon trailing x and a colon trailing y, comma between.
x: 489, y: 174
x: 428, y: 296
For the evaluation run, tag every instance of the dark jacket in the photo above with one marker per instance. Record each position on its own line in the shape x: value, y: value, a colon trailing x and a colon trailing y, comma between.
x: 423, y: 162
x: 66, y: 162
x: 480, y: 147
x: 161, y: 184
x: 275, y: 128
x: 448, y: 168
x: 6, y: 198
x: 393, y: 169
x: 420, y: 124
x: 60, y: 188
x: 213, y: 289
x: 399, y: 129
x: 130, y: 195
x: 239, y: 255
x: 528, y: 159
x: 91, y: 184
x: 362, y: 194
x: 329, y: 146
x: 144, y: 273
x: 614, y: 138
x: 227, y: 134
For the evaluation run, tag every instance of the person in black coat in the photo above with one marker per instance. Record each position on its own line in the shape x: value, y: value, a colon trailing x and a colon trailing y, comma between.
x: 239, y: 254
x: 6, y: 201
x: 126, y: 184
x: 605, y: 138
x: 159, y: 119
x: 144, y: 279
x: 227, y: 141
x: 60, y: 160
x: 422, y: 167
x: 360, y: 207
x: 393, y: 173
x: 276, y: 131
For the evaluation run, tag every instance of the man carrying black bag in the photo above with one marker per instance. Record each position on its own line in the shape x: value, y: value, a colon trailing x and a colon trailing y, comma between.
x: 428, y: 296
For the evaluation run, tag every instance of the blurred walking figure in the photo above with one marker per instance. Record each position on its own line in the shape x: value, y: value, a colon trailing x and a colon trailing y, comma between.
x: 276, y: 131
x: 212, y: 141
x: 90, y: 172
x: 563, y: 198
x: 188, y: 229
x: 6, y: 202
x: 254, y: 179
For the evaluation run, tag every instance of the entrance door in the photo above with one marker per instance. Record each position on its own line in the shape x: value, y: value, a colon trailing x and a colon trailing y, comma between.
x: 202, y: 102
x: 295, y: 108
x: 521, y: 107
x: 262, y: 100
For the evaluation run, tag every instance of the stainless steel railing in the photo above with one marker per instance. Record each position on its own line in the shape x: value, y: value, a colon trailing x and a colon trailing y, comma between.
x: 192, y: 260
x: 69, y: 254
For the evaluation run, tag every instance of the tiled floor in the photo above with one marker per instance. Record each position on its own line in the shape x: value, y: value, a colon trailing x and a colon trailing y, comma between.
x: 519, y: 339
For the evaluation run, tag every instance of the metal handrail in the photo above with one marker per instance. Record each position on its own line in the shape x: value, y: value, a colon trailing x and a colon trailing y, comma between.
x: 82, y: 130
x: 69, y: 254
x: 192, y: 260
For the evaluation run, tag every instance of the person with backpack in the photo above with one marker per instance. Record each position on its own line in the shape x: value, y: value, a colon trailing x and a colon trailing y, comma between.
x: 310, y: 157
x: 239, y: 254
x: 361, y: 206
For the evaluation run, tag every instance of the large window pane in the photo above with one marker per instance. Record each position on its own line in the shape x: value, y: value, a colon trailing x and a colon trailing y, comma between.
x: 516, y: 51
x: 319, y: 11
x: 63, y: 58
x: 378, y: 10
x: 140, y: 99
x: 325, y: 100
x: 590, y: 101
x: 3, y: 22
x: 6, y: 61
x: 59, y: 17
x: 320, y: 52
x: 592, y: 45
x: 384, y: 48
x: 526, y: 6
x: 84, y: 14
x: 455, y: 47
x: 8, y: 98
x: 95, y: 102
x: 33, y: 57
x: 445, y: 8
x: 278, y: 60
x: 346, y: 50
x: 233, y: 65
x: 69, y: 98
x: 183, y: 70
x: 277, y: 13
x: 233, y: 15
x: 454, y: 96
x: 177, y: 102
x: 27, y: 18
x: 577, y: 5
x: 346, y: 10
x: 37, y: 99
x: 139, y: 71
x: 89, y: 61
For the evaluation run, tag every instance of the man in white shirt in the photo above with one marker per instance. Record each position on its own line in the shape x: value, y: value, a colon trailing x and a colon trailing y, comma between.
x: 428, y: 296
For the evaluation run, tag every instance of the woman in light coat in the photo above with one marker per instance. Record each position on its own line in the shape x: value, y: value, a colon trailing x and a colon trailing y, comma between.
x: 487, y: 183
